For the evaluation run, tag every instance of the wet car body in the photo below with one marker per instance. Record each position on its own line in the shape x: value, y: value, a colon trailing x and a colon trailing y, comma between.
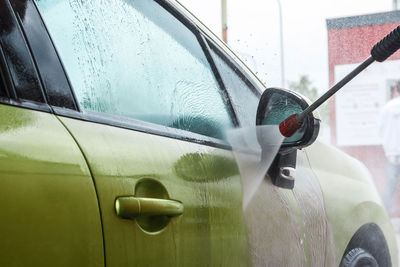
x: 64, y: 166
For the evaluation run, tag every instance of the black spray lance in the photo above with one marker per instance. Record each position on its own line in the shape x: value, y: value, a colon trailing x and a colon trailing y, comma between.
x: 379, y: 52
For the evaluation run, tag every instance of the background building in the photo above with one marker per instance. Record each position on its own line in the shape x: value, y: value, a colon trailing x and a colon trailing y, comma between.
x: 355, y: 110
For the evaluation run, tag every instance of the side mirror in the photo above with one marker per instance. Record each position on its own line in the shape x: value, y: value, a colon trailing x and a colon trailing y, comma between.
x: 275, y: 106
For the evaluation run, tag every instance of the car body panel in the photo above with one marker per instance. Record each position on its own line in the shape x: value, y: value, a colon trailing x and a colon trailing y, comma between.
x: 204, y: 179
x: 350, y: 198
x: 49, y: 215
x: 213, y: 229
x: 288, y: 227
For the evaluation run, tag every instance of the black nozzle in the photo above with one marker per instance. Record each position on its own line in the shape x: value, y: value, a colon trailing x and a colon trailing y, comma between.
x: 387, y: 46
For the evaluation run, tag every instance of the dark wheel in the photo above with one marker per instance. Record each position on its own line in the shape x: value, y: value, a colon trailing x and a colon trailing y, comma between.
x: 358, y: 257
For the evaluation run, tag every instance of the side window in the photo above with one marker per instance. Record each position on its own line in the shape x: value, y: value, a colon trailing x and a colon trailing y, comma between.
x: 243, y: 95
x: 16, y: 57
x: 134, y: 59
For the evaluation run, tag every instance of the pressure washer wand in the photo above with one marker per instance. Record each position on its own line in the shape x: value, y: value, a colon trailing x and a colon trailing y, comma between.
x: 379, y: 52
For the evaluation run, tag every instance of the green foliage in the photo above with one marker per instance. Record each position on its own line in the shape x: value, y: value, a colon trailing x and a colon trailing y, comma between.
x: 305, y: 87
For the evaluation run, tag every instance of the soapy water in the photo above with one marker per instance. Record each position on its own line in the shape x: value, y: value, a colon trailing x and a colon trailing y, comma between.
x: 283, y: 226
x: 254, y: 149
x: 270, y: 223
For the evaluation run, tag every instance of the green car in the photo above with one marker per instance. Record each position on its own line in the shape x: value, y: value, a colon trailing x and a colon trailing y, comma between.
x: 114, y: 150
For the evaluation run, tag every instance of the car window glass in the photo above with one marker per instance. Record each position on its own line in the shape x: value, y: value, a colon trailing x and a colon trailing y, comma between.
x: 134, y: 59
x: 47, y: 63
x: 17, y: 58
x: 2, y: 88
x: 243, y: 97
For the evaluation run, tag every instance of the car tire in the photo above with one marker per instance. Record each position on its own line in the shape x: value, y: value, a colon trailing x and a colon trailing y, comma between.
x: 358, y: 257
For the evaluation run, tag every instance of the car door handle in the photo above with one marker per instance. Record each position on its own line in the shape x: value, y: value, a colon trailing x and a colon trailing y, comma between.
x: 131, y: 207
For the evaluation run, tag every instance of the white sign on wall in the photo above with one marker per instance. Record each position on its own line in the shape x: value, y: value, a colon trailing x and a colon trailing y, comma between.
x: 359, y: 103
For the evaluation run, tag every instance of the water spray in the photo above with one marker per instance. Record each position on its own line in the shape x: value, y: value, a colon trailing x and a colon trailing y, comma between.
x: 379, y: 52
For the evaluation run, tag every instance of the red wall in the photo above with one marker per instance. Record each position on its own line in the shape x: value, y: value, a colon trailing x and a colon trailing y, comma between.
x: 349, y: 46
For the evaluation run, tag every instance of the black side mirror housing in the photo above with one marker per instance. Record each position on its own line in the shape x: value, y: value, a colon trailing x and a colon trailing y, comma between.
x: 275, y: 106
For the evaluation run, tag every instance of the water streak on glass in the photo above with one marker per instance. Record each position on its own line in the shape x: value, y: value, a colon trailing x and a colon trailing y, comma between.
x: 244, y: 100
x: 134, y: 59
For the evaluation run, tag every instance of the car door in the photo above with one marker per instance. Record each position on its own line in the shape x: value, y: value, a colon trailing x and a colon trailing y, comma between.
x: 151, y: 126
x: 298, y: 215
x: 49, y: 209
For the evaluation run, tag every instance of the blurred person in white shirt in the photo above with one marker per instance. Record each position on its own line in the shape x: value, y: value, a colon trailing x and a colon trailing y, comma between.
x: 389, y: 132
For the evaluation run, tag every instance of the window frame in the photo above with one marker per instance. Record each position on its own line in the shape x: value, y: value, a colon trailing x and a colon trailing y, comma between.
x: 147, y: 127
x: 6, y: 78
x: 218, y: 78
x: 44, y: 54
x: 5, y: 82
x: 238, y: 70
